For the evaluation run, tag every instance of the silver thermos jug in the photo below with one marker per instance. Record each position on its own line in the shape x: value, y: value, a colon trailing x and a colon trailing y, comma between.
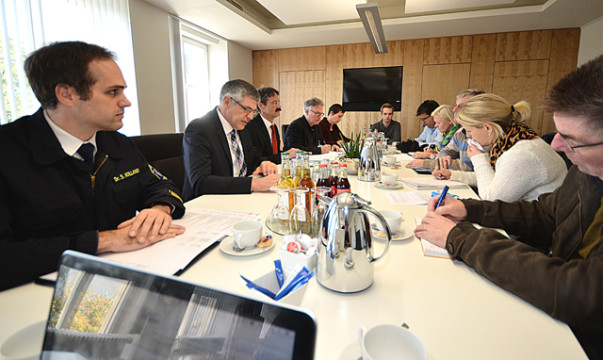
x: 345, y: 250
x: 369, y: 168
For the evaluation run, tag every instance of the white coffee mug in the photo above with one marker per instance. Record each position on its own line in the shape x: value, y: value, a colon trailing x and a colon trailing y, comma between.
x: 393, y: 220
x: 387, y: 342
x: 247, y: 233
x: 389, y: 179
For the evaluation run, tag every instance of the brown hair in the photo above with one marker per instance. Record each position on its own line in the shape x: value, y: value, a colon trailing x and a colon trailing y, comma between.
x: 64, y: 63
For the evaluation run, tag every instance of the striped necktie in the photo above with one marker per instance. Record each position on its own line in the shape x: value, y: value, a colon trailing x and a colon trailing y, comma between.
x: 239, y: 160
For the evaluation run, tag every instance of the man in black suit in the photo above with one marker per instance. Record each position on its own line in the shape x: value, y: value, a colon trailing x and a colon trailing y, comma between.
x: 304, y: 132
x: 218, y: 156
x: 264, y: 133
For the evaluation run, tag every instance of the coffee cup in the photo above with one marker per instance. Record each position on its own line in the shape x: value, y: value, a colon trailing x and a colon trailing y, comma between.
x: 247, y: 233
x: 390, y: 342
x: 389, y: 179
x: 393, y: 220
x: 389, y: 159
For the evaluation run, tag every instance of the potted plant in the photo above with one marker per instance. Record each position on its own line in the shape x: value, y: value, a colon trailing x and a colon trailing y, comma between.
x: 352, y: 150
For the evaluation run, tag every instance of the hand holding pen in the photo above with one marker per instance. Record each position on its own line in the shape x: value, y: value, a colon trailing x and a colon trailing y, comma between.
x: 442, y: 196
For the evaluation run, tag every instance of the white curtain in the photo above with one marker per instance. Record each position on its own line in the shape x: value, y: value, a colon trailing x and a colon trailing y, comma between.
x: 102, y: 22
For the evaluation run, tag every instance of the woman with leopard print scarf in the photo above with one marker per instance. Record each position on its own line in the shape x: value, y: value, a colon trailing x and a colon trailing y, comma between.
x: 517, y: 164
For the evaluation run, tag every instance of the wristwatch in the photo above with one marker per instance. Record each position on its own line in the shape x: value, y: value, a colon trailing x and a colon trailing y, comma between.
x: 432, y: 156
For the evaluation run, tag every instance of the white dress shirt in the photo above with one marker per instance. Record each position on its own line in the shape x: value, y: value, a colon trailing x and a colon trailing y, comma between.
x: 69, y: 143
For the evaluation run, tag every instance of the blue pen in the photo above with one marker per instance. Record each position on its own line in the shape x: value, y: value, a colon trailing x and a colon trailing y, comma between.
x: 442, y: 196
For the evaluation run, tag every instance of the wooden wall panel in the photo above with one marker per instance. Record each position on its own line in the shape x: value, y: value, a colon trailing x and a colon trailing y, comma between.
x: 524, y: 45
x: 411, y: 88
x: 334, y: 75
x: 299, y: 59
x: 265, y: 68
x: 482, y: 62
x: 448, y: 50
x: 564, y: 58
x: 442, y: 82
x: 297, y: 87
x: 493, y: 61
x: 363, y: 55
x: 523, y: 80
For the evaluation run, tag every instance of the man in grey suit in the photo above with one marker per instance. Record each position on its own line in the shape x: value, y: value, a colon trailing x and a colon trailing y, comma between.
x: 218, y: 156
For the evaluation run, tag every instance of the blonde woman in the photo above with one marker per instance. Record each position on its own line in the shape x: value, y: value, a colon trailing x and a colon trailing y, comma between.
x: 519, y: 165
x: 443, y: 116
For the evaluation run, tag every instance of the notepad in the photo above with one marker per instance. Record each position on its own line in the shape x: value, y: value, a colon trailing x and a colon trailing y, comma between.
x: 429, y: 183
x: 430, y: 249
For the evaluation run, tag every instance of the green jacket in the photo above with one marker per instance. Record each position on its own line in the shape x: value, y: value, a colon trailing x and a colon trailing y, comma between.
x: 566, y: 287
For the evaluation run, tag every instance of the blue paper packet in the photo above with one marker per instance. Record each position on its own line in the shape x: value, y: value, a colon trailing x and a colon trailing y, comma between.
x: 278, y: 270
x: 252, y: 285
x: 300, y: 278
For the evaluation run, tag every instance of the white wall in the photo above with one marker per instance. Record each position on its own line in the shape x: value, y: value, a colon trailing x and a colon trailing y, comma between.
x: 151, y: 39
x: 150, y: 36
x: 240, y: 63
x: 591, y: 42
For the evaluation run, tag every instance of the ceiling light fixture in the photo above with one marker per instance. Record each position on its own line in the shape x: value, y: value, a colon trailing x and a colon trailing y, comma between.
x: 371, y: 20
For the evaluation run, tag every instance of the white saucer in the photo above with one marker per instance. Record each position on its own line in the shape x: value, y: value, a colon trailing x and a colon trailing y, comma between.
x: 351, y: 352
x: 397, y: 163
x: 25, y: 343
x: 227, y: 247
x: 397, y: 185
x: 407, y: 233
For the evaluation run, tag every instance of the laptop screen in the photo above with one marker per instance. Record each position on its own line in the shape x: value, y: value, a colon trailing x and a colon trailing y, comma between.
x: 101, y: 310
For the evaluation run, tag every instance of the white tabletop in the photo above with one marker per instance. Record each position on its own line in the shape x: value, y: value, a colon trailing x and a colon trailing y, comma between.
x: 457, y: 313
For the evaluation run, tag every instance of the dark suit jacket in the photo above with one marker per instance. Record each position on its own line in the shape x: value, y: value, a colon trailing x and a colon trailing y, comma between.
x: 207, y: 160
x: 261, y: 139
x: 325, y: 125
x: 302, y: 136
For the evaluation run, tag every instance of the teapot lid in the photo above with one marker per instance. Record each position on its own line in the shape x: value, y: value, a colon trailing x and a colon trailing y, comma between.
x: 349, y: 200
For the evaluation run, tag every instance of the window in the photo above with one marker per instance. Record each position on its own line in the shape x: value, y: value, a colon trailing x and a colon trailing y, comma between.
x: 196, y: 88
x: 29, y: 24
x: 16, y: 41
x: 196, y: 78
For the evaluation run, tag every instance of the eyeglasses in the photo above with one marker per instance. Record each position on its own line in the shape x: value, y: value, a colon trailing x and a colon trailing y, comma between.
x: 425, y: 118
x: 572, y: 147
x: 319, y: 114
x: 254, y: 112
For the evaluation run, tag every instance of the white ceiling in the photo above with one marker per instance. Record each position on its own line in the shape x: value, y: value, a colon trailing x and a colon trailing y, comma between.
x: 317, y: 26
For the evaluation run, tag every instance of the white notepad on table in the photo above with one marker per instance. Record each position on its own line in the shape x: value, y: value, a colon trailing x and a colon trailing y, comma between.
x: 429, y: 183
x: 430, y: 249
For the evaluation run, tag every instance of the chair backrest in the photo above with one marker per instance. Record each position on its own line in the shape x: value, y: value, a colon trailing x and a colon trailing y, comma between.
x: 163, y: 152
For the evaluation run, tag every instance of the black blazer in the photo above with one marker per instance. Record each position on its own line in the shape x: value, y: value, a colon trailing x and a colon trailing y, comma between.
x: 302, y: 136
x: 207, y: 160
x: 261, y: 139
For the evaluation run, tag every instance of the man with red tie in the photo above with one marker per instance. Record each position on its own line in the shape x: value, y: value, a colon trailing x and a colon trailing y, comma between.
x: 262, y: 129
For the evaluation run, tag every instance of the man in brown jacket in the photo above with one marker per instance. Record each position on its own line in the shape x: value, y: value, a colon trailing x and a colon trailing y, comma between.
x: 567, y: 282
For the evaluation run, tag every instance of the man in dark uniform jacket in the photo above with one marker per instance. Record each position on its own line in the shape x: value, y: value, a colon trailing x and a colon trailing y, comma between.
x: 305, y: 134
x: 218, y: 155
x: 68, y: 179
x: 262, y: 129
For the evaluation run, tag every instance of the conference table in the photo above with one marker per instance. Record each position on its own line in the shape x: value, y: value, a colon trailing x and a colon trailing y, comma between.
x: 457, y: 313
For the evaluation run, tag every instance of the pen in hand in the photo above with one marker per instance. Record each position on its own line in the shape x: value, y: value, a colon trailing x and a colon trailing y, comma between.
x: 442, y: 196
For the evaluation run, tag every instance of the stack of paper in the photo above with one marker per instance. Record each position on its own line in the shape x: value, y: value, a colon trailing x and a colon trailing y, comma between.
x: 203, y: 228
x: 430, y: 183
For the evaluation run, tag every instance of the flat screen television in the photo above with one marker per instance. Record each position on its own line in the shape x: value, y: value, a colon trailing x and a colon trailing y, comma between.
x: 366, y: 89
